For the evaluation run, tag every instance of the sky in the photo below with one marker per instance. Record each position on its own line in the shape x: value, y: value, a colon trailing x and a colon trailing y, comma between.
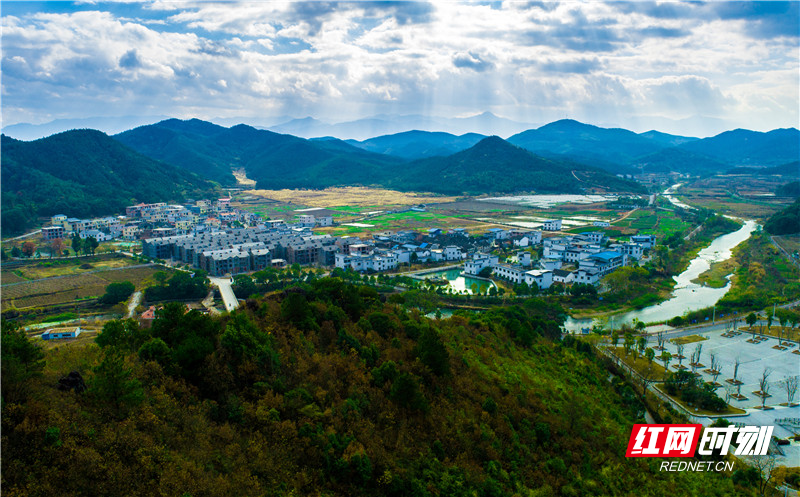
x: 638, y: 65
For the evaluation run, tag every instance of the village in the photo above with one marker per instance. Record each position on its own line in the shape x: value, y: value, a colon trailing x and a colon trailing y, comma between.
x: 222, y: 240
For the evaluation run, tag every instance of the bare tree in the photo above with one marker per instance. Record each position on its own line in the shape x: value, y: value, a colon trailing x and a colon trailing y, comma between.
x: 765, y: 465
x: 699, y: 350
x: 735, y: 321
x: 730, y: 391
x: 716, y: 367
x: 680, y: 356
x: 763, y: 385
x: 660, y: 340
x: 694, y: 361
x: 790, y: 385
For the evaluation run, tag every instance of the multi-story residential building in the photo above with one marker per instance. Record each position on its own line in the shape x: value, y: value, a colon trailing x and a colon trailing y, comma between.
x: 510, y: 272
x: 551, y: 225
x: 478, y: 263
x: 52, y: 232
x: 646, y: 241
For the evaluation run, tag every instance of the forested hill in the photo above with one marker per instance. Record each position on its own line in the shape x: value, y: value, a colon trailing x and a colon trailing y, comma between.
x: 271, y: 159
x: 84, y: 173
x: 495, y: 165
x: 283, y: 161
x: 326, y: 389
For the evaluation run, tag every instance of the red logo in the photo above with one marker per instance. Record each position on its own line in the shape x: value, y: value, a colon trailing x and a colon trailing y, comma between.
x: 663, y: 440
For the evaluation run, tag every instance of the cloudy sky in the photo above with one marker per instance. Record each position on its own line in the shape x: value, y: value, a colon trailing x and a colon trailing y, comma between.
x: 637, y: 65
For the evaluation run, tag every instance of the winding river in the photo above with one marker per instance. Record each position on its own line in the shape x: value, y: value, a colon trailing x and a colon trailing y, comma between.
x: 686, y: 296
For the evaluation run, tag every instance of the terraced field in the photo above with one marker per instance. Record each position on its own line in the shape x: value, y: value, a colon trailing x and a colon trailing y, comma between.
x: 68, y: 288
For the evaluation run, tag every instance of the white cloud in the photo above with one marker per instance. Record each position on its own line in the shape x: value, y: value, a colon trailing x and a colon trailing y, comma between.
x: 582, y: 60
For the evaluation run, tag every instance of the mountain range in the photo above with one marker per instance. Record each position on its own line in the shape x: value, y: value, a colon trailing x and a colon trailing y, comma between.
x: 85, y: 173
x: 479, y: 165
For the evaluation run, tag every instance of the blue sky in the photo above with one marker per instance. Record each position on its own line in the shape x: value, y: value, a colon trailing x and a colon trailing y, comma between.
x: 632, y: 64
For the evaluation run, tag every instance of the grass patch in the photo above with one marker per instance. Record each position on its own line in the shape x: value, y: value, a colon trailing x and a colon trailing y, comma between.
x: 716, y: 277
x: 650, y: 370
x: 688, y: 339
x: 729, y: 410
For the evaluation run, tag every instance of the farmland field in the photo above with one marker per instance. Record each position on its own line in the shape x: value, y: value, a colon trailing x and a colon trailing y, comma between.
x: 350, y: 196
x: 71, y: 287
x: 749, y: 197
x: 46, y: 268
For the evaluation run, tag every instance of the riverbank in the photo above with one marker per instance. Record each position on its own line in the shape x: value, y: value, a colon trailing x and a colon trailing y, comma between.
x: 686, y: 295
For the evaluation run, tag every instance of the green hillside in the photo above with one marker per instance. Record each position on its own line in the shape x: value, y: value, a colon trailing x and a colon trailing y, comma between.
x: 84, y: 173
x: 327, y: 390
x: 494, y: 165
x: 273, y: 160
x: 785, y: 222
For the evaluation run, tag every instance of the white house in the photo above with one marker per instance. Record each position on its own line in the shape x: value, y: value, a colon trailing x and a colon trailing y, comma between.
x: 586, y: 275
x: 510, y: 272
x: 478, y: 262
x: 552, y: 225
x: 542, y: 277
x: 601, y: 224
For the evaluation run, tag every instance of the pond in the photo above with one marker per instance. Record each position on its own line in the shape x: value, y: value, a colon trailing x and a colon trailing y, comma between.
x: 686, y: 296
x: 457, y: 282
x: 547, y: 201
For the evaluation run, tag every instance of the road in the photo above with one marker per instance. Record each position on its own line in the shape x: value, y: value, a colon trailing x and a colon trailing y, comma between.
x: 136, y: 299
x: 26, y: 235
x: 224, y: 285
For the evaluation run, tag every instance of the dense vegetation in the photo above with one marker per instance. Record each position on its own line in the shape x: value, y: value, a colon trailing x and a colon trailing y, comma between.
x: 325, y: 389
x: 84, y: 173
x: 181, y: 286
x: 785, y: 222
x: 791, y: 189
x: 284, y: 161
x: 495, y: 165
x: 271, y: 159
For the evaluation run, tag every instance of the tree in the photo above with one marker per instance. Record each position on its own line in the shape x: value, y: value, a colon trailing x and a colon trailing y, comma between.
x: 28, y: 249
x: 614, y: 338
x: 660, y: 340
x: 716, y: 367
x: 763, y: 385
x: 20, y: 360
x: 665, y: 358
x: 736, y: 363
x: 90, y: 244
x: 117, y: 292
x: 679, y: 348
x: 56, y: 246
x: 790, y: 385
x: 433, y: 353
x: 641, y: 344
x: 114, y: 387
x: 628, y: 344
x: 751, y: 321
x: 16, y: 252
x: 649, y: 354
x: 77, y: 244
x: 764, y: 467
x: 640, y: 326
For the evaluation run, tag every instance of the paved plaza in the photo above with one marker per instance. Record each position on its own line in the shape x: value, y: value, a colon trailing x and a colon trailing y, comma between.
x: 753, y: 359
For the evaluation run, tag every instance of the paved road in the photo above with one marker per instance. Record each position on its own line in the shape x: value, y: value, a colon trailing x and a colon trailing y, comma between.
x: 26, y: 235
x: 224, y: 285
